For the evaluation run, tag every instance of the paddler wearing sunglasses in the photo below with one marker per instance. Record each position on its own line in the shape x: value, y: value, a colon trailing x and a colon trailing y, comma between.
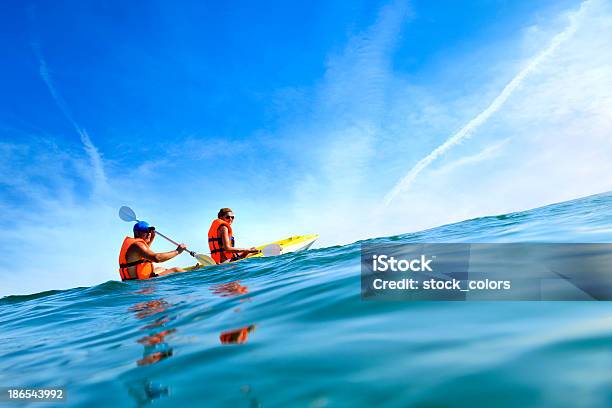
x: 221, y: 239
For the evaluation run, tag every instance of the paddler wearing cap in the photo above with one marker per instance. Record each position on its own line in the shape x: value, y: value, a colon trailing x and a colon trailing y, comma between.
x: 136, y: 257
x: 221, y: 239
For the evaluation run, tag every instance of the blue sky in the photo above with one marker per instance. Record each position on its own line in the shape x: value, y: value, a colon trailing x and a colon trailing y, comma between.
x: 352, y: 119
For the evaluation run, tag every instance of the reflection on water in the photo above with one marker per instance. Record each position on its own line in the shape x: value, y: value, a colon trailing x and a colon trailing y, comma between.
x: 158, y: 322
x: 154, y: 357
x: 145, y: 392
x: 248, y: 394
x: 156, y: 348
x: 228, y: 289
x: 155, y: 338
x: 146, y: 309
x: 155, y: 342
x: 237, y: 336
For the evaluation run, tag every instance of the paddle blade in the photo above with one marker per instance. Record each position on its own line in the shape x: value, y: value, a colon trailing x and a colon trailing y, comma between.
x: 127, y: 214
x: 205, y: 260
x: 272, y: 250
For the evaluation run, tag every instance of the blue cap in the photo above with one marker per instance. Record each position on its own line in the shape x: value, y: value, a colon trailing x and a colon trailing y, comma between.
x: 142, y: 226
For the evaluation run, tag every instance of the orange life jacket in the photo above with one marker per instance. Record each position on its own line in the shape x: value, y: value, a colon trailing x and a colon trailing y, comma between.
x: 144, y: 267
x: 215, y: 242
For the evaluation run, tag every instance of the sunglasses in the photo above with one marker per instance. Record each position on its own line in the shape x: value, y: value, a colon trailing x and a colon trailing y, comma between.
x: 230, y: 217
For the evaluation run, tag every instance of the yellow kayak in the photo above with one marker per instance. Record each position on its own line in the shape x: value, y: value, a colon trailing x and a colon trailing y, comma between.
x: 292, y: 244
x: 288, y: 245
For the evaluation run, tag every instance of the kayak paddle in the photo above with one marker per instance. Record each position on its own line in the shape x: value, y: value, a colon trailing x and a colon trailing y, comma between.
x: 272, y: 250
x: 128, y: 215
x: 269, y: 250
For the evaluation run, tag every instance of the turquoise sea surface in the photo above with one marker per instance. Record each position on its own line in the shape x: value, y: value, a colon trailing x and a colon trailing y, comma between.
x: 293, y: 331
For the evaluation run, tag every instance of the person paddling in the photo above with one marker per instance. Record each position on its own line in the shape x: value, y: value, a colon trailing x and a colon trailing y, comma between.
x: 136, y: 257
x: 221, y: 239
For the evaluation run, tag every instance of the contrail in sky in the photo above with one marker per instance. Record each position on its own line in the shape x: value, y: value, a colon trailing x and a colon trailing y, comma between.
x: 91, y: 150
x: 483, y: 116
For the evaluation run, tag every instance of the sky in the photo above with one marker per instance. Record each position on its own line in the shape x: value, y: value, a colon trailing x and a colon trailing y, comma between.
x: 351, y: 119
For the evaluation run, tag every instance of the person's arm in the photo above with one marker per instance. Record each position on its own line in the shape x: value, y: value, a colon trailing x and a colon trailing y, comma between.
x: 227, y: 243
x: 146, y: 253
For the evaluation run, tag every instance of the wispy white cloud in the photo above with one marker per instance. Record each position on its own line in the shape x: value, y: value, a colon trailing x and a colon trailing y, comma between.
x: 351, y: 103
x: 46, y: 207
x: 546, y: 133
x: 487, y: 153
x: 100, y: 180
x: 558, y: 125
x: 53, y: 234
x: 496, y: 104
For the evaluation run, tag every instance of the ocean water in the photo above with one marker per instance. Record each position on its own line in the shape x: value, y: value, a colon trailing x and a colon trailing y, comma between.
x: 293, y: 331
